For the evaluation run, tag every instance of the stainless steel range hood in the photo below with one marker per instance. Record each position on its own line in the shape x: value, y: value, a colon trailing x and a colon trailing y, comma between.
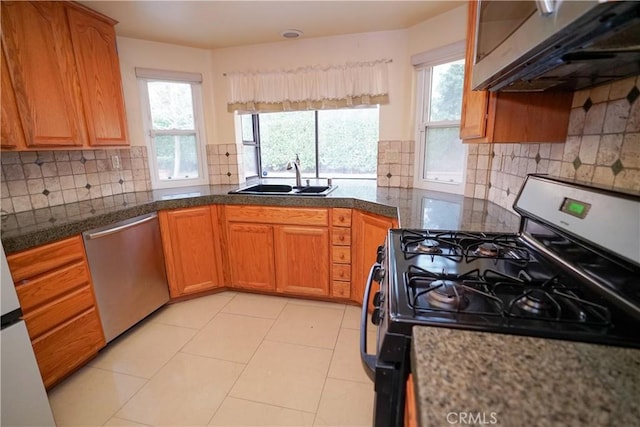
x: 566, y: 45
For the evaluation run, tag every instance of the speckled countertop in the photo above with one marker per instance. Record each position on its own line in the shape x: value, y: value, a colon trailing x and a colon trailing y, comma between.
x: 522, y: 381
x: 414, y: 208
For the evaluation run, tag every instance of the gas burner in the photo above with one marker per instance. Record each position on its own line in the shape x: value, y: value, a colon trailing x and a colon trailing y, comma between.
x: 535, y: 301
x: 487, y: 250
x: 447, y: 295
x: 429, y: 246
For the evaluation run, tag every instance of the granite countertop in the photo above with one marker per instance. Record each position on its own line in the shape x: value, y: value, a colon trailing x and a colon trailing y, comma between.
x: 414, y: 208
x: 516, y: 380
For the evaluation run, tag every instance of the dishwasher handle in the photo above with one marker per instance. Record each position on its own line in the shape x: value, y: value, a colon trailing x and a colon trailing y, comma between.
x: 118, y: 229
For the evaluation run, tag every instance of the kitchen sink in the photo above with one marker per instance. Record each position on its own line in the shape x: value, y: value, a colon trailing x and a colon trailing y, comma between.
x: 285, y: 190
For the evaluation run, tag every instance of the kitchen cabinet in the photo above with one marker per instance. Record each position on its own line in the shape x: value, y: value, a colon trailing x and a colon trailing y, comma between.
x: 11, y: 135
x: 191, y: 243
x: 410, y: 409
x: 63, y: 69
x: 341, y: 253
x: 369, y: 231
x: 503, y: 117
x: 279, y: 249
x: 56, y: 295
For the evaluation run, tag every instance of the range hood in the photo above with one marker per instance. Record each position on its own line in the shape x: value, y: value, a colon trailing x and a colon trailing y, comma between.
x: 555, y: 45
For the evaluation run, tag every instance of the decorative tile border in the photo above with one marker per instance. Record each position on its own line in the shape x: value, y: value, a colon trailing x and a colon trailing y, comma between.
x: 396, y: 161
x: 35, y: 180
x: 224, y: 164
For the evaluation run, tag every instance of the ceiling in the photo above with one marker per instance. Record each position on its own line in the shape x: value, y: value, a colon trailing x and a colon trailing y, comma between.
x: 219, y: 24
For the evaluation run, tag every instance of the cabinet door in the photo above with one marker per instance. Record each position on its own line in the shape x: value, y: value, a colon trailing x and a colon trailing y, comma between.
x: 42, y: 68
x: 475, y: 104
x: 302, y: 260
x: 94, y: 46
x: 12, y: 136
x: 369, y: 232
x: 192, y: 255
x: 251, y: 256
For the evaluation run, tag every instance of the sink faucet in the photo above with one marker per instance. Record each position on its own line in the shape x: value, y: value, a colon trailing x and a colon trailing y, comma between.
x: 290, y: 165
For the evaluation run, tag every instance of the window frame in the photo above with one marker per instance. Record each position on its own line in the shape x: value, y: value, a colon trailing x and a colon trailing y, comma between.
x: 256, y: 136
x: 424, y: 64
x: 150, y: 133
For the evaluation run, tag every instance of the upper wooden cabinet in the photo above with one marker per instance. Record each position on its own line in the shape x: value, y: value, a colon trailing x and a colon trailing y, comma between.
x: 496, y: 117
x: 63, y: 68
x: 11, y: 135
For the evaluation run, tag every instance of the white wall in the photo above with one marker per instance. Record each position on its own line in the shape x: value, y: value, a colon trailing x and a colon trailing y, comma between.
x: 396, y: 118
x: 146, y: 54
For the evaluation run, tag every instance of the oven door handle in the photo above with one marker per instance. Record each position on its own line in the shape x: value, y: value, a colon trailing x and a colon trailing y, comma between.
x: 368, y: 360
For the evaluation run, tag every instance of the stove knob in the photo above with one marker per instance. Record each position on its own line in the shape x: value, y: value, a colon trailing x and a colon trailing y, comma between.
x: 379, y: 275
x: 377, y: 299
x: 380, y: 254
x: 375, y: 317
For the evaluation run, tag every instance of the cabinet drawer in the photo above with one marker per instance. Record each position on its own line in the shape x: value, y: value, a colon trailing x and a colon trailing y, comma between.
x: 341, y: 254
x: 274, y: 215
x: 36, y: 292
x: 341, y: 217
x: 67, y: 347
x: 59, y: 311
x: 341, y: 289
x: 30, y: 263
x: 341, y: 272
x: 341, y: 236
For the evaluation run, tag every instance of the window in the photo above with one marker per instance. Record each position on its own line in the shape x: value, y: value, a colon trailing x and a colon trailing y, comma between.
x: 173, y: 125
x: 441, y: 152
x: 330, y: 143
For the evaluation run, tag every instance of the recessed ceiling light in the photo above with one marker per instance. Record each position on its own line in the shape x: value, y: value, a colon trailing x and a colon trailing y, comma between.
x: 291, y: 34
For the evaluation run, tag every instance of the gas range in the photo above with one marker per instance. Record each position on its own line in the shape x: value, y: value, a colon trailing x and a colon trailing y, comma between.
x: 571, y: 272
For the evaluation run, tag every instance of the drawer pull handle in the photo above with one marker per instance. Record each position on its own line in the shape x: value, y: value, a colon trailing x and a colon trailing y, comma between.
x: 341, y: 218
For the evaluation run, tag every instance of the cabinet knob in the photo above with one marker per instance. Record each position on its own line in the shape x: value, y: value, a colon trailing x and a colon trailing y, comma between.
x: 341, y: 218
x: 341, y: 256
x: 341, y: 238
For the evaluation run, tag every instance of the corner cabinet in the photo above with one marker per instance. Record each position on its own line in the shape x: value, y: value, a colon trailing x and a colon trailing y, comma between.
x: 369, y: 231
x: 508, y: 117
x: 62, y: 69
x: 191, y: 243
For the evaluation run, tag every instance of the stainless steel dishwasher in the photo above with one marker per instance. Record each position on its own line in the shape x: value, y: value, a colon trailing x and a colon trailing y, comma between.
x: 127, y: 267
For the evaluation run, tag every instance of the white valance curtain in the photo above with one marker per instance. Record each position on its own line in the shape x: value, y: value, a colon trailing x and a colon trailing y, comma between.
x: 309, y: 88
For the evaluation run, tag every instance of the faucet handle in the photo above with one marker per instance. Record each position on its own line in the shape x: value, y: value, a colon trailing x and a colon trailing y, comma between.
x: 297, y: 159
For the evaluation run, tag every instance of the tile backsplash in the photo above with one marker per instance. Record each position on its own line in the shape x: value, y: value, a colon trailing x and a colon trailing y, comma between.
x: 602, y: 148
x: 223, y: 164
x: 396, y: 161
x: 40, y: 179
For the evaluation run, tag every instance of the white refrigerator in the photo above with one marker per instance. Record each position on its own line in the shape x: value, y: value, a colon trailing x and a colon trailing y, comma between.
x: 23, y: 397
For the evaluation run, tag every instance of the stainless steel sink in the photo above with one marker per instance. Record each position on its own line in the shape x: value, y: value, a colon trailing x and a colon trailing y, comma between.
x: 285, y: 190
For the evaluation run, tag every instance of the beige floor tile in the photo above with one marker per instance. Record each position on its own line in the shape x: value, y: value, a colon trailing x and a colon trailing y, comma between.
x: 91, y: 396
x: 185, y: 392
x: 229, y: 337
x: 119, y: 422
x: 144, y: 350
x: 312, y: 303
x: 238, y: 412
x: 345, y: 403
x: 284, y: 375
x: 346, y: 363
x: 255, y: 305
x: 307, y: 325
x: 195, y: 313
x: 351, y: 319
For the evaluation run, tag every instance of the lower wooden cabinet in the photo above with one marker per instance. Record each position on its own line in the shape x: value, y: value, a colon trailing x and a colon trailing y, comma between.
x: 410, y: 407
x: 56, y: 295
x: 251, y: 256
x: 191, y: 242
x: 302, y: 260
x: 369, y: 231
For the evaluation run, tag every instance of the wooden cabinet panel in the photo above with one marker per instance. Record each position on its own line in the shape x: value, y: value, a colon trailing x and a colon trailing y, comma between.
x: 410, y: 409
x: 507, y: 117
x: 191, y: 247
x: 302, y: 260
x: 43, y: 71
x: 341, y: 289
x: 251, y: 256
x: 369, y: 232
x: 276, y: 215
x: 58, y: 304
x: 341, y: 236
x: 11, y: 134
x: 341, y: 217
x: 94, y: 46
x: 342, y: 272
x: 68, y: 346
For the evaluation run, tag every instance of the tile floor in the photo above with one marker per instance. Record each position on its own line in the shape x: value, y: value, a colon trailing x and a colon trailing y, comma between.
x: 230, y: 359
